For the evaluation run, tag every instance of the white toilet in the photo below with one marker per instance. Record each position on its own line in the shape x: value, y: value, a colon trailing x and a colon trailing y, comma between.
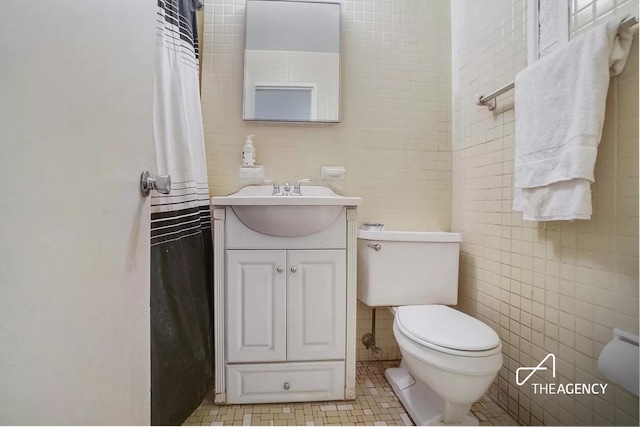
x: 449, y: 359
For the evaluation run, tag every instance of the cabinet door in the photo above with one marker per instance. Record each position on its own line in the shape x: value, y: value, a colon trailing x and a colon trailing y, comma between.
x: 316, y: 304
x: 256, y: 306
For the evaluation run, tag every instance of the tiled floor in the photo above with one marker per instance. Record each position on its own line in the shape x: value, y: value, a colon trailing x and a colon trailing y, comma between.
x: 376, y: 404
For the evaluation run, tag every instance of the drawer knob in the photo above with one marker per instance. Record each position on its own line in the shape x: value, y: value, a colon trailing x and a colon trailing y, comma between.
x: 286, y: 386
x: 294, y: 269
x: 280, y: 269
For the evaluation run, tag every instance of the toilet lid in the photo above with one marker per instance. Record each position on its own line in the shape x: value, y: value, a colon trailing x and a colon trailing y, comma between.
x: 445, y: 327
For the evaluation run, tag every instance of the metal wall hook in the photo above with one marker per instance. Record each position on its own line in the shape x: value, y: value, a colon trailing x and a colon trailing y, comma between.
x: 162, y: 184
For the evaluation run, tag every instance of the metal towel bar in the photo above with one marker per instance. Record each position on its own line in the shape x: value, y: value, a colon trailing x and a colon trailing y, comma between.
x: 485, y: 100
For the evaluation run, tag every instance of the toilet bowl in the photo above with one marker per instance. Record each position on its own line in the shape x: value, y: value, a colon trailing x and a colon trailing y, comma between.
x: 458, y: 357
x: 449, y: 359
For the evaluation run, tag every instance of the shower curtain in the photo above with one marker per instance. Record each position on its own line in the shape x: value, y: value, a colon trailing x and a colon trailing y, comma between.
x: 181, y: 245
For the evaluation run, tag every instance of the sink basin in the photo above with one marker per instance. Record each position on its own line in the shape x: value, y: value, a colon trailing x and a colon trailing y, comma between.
x: 286, y: 216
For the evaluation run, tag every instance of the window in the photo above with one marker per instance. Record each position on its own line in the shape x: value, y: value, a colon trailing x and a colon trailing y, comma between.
x: 548, y: 22
x: 583, y: 14
x: 552, y: 23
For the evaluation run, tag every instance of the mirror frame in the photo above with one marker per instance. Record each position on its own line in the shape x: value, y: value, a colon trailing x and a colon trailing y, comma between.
x: 272, y: 84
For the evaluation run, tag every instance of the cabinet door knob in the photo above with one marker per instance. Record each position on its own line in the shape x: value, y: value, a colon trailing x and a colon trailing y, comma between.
x: 286, y: 386
x: 294, y: 269
x: 280, y: 269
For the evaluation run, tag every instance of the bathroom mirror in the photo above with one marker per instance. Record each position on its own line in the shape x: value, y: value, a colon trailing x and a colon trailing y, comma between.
x: 292, y: 61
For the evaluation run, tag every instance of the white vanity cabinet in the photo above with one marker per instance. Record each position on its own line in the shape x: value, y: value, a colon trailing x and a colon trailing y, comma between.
x: 256, y: 306
x: 285, y: 305
x: 284, y: 312
x: 316, y: 304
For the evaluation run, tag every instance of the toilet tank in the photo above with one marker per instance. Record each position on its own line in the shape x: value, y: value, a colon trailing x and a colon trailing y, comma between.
x: 409, y: 268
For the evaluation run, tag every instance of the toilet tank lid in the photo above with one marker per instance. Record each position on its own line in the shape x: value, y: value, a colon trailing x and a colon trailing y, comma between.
x: 446, y: 327
x: 409, y: 236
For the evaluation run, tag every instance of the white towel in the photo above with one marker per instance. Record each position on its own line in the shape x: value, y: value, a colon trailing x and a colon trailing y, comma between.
x: 560, y: 103
x: 560, y: 201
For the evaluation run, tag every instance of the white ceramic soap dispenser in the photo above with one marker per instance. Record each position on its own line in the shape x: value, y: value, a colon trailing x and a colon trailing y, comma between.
x: 249, y: 152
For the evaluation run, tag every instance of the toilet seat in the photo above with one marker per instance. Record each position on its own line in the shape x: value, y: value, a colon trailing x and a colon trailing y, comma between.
x: 447, y: 330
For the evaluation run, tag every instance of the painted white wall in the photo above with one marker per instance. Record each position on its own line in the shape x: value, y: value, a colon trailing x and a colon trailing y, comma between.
x: 75, y: 133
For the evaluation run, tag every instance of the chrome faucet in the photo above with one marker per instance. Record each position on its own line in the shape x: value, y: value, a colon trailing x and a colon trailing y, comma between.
x: 286, y: 189
x: 296, y: 190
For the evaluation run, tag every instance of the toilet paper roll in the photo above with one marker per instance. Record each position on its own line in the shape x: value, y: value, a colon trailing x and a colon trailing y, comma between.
x: 618, y: 362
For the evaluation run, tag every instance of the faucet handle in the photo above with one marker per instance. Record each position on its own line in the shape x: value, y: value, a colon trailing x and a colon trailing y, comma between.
x: 296, y: 189
x: 276, y: 186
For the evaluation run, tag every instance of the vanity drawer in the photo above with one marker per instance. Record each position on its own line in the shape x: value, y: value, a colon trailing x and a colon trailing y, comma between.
x: 285, y: 382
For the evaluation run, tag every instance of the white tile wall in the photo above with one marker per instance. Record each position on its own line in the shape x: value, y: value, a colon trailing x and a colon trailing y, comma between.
x: 557, y: 287
x: 395, y: 137
x: 583, y: 14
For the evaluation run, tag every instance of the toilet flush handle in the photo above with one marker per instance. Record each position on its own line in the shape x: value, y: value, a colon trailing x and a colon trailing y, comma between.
x: 376, y: 247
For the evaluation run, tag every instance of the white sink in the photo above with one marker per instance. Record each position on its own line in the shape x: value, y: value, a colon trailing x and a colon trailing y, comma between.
x: 286, y: 216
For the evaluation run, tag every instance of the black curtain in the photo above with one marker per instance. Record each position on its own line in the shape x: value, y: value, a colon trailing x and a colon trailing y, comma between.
x: 181, y: 319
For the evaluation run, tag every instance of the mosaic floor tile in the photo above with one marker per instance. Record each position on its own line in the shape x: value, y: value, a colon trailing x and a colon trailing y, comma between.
x: 375, y: 404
